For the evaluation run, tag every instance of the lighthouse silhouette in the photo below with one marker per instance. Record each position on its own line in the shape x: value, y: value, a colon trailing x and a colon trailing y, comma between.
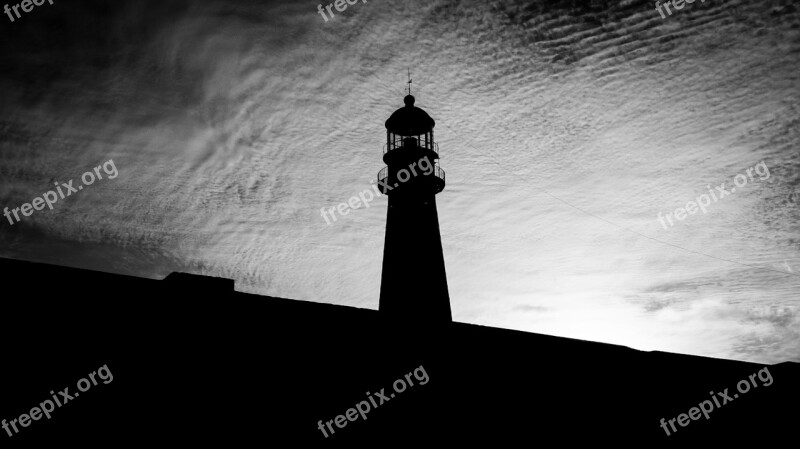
x: 413, y: 281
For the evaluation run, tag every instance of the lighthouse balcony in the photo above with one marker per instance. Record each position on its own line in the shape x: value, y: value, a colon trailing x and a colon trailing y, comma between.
x: 424, y: 179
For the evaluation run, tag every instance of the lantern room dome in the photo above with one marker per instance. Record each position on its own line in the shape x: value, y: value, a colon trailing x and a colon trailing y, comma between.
x: 410, y: 120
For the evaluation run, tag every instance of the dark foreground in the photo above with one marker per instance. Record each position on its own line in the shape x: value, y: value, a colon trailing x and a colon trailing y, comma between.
x: 194, y: 362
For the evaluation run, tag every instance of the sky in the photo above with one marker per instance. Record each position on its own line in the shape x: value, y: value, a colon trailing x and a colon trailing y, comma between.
x: 568, y: 130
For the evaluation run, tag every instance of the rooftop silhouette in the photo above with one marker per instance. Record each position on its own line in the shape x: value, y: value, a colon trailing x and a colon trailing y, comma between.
x: 194, y: 361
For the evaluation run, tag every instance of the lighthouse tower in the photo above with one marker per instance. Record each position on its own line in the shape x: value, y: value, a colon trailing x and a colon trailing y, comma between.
x: 413, y: 282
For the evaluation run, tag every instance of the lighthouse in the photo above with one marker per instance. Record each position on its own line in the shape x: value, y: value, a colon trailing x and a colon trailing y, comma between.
x: 413, y: 279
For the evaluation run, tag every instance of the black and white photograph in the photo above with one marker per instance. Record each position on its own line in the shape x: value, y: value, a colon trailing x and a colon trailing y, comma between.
x: 364, y: 223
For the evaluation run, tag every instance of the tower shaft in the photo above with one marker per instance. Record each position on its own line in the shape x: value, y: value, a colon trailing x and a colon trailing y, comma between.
x: 414, y: 282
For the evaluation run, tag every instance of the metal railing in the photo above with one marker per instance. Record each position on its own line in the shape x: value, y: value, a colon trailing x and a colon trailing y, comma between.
x: 433, y: 146
x: 438, y: 172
